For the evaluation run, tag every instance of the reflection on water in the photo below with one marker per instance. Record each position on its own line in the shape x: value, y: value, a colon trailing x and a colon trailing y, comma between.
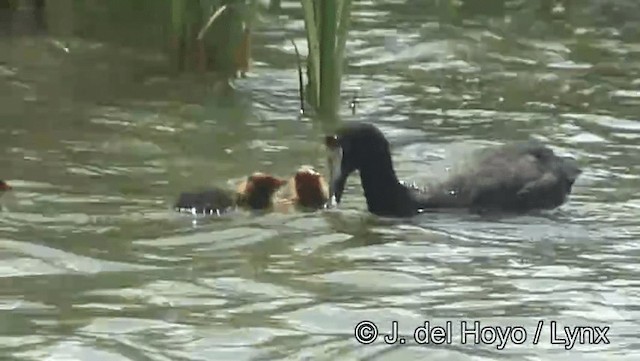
x: 98, y: 140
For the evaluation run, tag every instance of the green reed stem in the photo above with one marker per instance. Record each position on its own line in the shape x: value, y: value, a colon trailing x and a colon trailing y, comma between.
x: 327, y: 25
x: 313, y: 57
x: 328, y: 29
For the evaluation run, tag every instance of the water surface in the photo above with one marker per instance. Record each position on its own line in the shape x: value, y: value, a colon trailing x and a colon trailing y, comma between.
x: 99, y: 138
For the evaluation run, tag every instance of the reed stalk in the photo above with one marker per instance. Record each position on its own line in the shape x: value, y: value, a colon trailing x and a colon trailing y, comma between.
x: 213, y: 18
x: 177, y: 17
x: 343, y: 30
x: 327, y: 25
x: 327, y: 33
x: 313, y: 57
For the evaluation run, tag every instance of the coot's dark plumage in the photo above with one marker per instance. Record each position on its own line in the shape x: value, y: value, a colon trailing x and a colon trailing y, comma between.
x: 4, y: 186
x: 208, y: 201
x: 256, y: 192
x: 516, y: 177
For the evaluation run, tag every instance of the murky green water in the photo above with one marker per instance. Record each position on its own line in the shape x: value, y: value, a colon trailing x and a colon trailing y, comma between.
x: 98, y: 141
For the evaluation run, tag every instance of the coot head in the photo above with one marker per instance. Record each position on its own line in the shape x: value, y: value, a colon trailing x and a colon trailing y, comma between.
x: 310, y: 188
x: 356, y: 146
x: 260, y: 189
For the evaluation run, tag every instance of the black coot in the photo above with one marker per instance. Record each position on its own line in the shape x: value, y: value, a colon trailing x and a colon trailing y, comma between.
x: 515, y: 177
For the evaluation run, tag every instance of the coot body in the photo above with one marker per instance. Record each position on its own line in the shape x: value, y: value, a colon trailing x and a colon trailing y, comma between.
x: 516, y: 177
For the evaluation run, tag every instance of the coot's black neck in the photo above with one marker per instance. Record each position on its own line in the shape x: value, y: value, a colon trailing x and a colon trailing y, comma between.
x: 385, y: 195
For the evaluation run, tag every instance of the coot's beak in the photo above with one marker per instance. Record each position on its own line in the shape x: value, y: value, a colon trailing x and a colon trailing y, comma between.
x: 336, y: 176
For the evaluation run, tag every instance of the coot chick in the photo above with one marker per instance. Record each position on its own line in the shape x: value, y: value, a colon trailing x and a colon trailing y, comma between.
x: 515, y: 177
x: 256, y: 192
x: 307, y: 189
x: 4, y: 186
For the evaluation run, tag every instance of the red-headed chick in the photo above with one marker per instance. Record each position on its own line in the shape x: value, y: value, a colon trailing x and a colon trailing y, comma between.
x: 258, y: 191
x: 307, y: 189
x: 4, y: 186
